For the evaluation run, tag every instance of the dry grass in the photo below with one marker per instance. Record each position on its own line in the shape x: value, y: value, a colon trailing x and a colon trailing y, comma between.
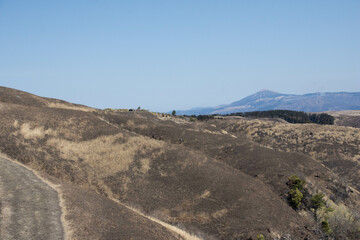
x: 108, y: 155
x: 319, y: 141
x: 68, y: 129
x: 69, y: 106
x: 347, y: 113
x: 131, y: 124
x: 213, y: 132
x: 145, y: 165
x: 342, y: 220
x: 168, y: 117
x: 205, y: 194
x: 183, y: 234
x: 36, y: 132
x: 220, y: 213
x: 337, y: 148
x: 190, y: 217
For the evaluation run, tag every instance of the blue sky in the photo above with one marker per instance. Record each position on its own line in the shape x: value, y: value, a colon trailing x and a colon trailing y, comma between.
x: 164, y: 55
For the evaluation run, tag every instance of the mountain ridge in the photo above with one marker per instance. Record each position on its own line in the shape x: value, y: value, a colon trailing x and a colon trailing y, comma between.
x: 271, y: 100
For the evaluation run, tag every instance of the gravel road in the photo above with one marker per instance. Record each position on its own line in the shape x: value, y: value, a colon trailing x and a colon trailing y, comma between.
x: 29, y: 208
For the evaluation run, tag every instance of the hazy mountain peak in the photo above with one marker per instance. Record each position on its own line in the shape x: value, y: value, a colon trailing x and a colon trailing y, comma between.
x: 265, y: 93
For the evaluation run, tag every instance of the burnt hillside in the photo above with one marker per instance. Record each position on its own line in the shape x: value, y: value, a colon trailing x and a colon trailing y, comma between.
x: 211, y: 179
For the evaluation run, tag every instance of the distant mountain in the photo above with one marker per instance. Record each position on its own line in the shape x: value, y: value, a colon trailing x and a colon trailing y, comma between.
x: 269, y: 100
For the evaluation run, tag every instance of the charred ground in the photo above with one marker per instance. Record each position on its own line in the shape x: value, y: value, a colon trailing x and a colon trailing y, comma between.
x: 218, y: 179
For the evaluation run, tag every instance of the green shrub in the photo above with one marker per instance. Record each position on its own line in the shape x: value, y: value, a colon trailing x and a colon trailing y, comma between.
x: 317, y: 201
x: 296, y: 197
x: 296, y: 182
x: 326, y: 227
x: 260, y: 237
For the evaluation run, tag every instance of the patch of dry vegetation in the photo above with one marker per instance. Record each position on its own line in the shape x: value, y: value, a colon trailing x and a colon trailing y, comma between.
x: 131, y: 124
x: 37, y: 132
x: 344, y: 221
x: 108, y: 154
x: 69, y: 106
x: 219, y: 213
x: 344, y: 113
x: 322, y: 142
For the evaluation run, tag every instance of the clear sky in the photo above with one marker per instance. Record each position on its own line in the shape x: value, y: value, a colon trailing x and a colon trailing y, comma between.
x: 164, y: 55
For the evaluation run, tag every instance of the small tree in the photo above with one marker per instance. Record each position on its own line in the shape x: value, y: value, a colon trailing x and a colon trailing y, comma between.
x: 296, y: 197
x: 173, y: 113
x: 326, y: 227
x: 317, y: 201
x: 296, y: 182
x: 260, y: 237
x: 297, y: 189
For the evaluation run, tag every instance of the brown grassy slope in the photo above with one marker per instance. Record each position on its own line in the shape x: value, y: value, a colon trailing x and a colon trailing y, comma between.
x: 349, y: 118
x: 87, y: 215
x: 178, y: 184
x: 10, y: 95
x: 92, y: 216
x: 270, y: 166
x: 338, y: 148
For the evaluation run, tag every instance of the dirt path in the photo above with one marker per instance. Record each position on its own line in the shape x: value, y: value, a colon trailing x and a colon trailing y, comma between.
x: 29, y: 208
x: 181, y: 233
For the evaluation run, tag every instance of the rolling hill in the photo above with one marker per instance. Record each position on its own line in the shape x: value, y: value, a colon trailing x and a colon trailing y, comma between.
x: 142, y: 175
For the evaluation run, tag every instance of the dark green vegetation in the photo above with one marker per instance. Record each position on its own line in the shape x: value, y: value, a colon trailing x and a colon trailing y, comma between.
x: 326, y: 228
x: 296, y: 182
x: 207, y: 177
x: 290, y: 116
x: 295, y: 195
x: 260, y: 237
x: 317, y: 201
x: 287, y: 115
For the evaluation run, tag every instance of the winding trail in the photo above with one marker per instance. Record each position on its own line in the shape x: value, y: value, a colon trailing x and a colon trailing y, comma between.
x: 29, y: 208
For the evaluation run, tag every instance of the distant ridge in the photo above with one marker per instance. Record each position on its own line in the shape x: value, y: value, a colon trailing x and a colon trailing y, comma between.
x: 270, y: 100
